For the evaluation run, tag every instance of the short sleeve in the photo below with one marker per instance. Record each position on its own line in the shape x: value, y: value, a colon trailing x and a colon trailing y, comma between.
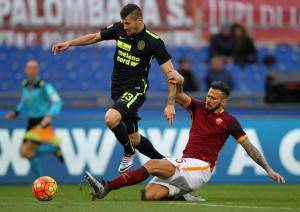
x: 21, y: 106
x: 236, y: 130
x: 52, y: 93
x: 110, y: 32
x: 56, y: 103
x: 160, y: 52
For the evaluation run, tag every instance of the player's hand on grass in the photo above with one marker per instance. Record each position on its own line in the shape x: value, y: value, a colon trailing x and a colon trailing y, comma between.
x: 170, y: 113
x: 59, y: 47
x: 10, y: 115
x: 275, y: 176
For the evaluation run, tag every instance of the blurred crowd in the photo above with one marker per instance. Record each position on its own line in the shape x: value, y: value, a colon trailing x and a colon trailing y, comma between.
x: 230, y: 45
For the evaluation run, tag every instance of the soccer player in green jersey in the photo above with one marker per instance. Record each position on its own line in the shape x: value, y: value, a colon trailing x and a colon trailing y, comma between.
x: 135, y: 48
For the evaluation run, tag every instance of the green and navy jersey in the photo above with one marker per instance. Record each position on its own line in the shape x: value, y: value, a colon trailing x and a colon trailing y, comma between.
x: 132, y: 58
x: 39, y: 99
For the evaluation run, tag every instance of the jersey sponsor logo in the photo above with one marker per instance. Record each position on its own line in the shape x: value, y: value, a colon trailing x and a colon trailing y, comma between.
x: 128, y: 59
x: 123, y: 45
x: 121, y: 38
x: 141, y: 45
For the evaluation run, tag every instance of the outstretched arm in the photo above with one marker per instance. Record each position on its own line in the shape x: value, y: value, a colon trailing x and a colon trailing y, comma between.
x: 170, y: 108
x: 254, y: 153
x: 181, y: 98
x: 19, y: 108
x: 80, y: 41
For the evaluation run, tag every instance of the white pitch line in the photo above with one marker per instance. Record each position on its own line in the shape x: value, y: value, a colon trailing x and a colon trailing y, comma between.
x: 229, y: 206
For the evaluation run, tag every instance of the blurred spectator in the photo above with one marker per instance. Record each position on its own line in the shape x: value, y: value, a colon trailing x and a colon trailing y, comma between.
x: 217, y: 72
x: 269, y: 61
x: 222, y: 44
x: 244, y: 49
x: 190, y: 83
x: 270, y: 93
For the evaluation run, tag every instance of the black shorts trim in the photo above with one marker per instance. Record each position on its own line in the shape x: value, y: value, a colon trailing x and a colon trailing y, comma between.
x: 32, y: 122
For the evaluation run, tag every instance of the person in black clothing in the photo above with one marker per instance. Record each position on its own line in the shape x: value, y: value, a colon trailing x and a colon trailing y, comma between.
x: 135, y: 48
x: 222, y: 44
x: 190, y: 83
x: 217, y: 72
x: 244, y: 49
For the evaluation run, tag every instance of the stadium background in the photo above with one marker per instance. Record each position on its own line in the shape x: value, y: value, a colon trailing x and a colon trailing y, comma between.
x: 82, y: 76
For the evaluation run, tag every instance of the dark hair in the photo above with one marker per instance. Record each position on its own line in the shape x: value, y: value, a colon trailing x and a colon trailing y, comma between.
x: 222, y: 86
x: 131, y: 9
x: 183, y: 60
x: 238, y: 26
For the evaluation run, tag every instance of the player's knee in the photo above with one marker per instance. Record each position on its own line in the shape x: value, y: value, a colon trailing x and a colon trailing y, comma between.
x: 111, y: 119
x: 23, y: 153
x: 108, y: 120
x: 150, y: 165
x: 150, y: 196
x: 27, y: 153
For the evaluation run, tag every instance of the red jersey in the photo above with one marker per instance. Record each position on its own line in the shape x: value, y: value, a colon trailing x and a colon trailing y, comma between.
x: 209, y: 132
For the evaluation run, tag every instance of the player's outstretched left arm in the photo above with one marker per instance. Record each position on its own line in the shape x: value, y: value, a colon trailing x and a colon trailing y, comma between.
x: 254, y: 153
x: 80, y: 41
x: 169, y: 111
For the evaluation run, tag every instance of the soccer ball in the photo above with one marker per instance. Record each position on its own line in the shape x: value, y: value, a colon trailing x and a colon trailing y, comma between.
x: 44, y: 188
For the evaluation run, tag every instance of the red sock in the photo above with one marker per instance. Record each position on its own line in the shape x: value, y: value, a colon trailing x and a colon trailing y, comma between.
x: 129, y: 178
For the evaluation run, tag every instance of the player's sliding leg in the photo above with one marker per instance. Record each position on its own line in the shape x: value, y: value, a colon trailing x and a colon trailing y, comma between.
x: 146, y: 148
x: 156, y: 192
x: 160, y: 168
x: 102, y: 188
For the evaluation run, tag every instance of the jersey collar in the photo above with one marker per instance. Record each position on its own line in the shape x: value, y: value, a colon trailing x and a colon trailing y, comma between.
x: 217, y: 113
x: 221, y: 111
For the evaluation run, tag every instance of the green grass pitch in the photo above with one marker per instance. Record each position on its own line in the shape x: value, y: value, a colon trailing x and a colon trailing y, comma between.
x: 219, y: 198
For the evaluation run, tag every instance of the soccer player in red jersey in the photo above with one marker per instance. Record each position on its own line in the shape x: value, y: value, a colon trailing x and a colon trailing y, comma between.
x: 174, y: 177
